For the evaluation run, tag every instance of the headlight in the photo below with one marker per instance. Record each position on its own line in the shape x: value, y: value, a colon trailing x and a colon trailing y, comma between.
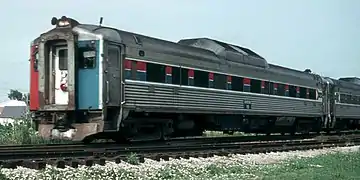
x: 63, y: 23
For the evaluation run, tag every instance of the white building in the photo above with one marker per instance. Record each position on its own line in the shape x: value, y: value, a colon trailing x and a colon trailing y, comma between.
x: 12, y: 109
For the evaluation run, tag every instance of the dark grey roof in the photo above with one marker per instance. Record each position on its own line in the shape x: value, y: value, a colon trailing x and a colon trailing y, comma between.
x: 354, y: 80
x: 213, y: 44
x: 227, y: 51
x: 13, y: 112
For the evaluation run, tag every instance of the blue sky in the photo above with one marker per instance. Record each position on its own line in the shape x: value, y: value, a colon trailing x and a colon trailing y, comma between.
x: 322, y: 35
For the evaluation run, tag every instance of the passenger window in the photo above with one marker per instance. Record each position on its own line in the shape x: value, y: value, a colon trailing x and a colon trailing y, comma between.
x: 175, y: 75
x: 342, y: 98
x: 265, y: 87
x: 286, y: 90
x: 201, y: 78
x: 228, y: 82
x: 255, y: 86
x: 348, y: 99
x: 302, y: 92
x: 168, y: 74
x: 281, y: 90
x: 353, y: 99
x: 63, y: 59
x: 155, y: 73
x: 191, y: 77
x: 237, y: 83
x: 292, y: 91
x: 211, y: 80
x: 184, y: 77
x: 312, y: 94
x: 271, y: 89
x: 220, y: 81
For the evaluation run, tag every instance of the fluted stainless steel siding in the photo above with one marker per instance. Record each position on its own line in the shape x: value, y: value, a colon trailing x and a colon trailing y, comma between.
x: 144, y: 95
x: 347, y: 111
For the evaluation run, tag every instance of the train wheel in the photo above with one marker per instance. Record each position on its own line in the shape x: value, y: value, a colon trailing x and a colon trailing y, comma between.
x: 88, y: 139
x: 292, y: 133
x: 120, y: 140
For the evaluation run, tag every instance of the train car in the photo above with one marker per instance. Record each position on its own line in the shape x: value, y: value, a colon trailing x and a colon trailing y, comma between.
x: 347, y: 103
x: 90, y: 81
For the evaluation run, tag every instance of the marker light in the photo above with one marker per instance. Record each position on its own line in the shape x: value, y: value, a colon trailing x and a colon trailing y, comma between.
x: 63, y: 23
x: 63, y: 87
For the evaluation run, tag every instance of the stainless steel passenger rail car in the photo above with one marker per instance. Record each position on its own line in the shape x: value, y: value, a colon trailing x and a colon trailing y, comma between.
x: 91, y: 81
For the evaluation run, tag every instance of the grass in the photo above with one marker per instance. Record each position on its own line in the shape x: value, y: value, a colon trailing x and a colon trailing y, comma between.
x: 344, y: 166
x: 336, y: 166
x: 133, y: 159
x: 19, y: 132
x: 22, y: 132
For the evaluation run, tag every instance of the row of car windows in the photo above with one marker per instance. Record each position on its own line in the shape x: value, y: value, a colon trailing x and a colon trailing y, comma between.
x: 181, y: 76
x: 349, y: 99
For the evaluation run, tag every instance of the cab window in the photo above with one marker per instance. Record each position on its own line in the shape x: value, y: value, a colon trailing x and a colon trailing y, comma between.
x: 87, y: 58
x: 63, y: 59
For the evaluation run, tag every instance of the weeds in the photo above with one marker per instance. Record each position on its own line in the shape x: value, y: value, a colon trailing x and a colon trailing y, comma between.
x: 22, y: 132
x: 133, y: 159
x: 334, y: 166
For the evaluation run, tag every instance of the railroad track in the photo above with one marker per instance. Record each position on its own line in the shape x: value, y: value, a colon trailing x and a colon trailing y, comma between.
x: 201, y: 139
x: 74, y: 154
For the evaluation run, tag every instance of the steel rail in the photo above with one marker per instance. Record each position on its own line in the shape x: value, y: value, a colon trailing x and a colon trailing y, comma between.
x: 73, y: 157
x: 201, y: 139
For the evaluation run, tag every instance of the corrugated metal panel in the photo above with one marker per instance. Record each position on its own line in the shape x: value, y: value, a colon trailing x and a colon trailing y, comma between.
x: 347, y: 111
x: 141, y: 94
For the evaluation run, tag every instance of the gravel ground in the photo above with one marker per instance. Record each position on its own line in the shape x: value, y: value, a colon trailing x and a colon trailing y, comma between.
x: 193, y: 168
x: 275, y: 157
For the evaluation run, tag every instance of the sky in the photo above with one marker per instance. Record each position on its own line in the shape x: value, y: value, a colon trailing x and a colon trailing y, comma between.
x: 322, y: 35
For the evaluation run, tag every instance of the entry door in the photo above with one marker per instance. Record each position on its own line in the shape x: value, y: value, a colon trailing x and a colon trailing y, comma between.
x: 88, y: 76
x: 61, y: 75
x: 113, y: 76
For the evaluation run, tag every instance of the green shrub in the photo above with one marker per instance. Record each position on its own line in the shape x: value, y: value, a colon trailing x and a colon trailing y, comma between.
x: 133, y: 159
x: 22, y: 132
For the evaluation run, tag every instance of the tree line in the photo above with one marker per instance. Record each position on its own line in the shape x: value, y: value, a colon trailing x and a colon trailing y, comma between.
x: 17, y: 95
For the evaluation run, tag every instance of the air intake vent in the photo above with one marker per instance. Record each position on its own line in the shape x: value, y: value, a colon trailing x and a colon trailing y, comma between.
x: 228, y: 52
x: 354, y: 80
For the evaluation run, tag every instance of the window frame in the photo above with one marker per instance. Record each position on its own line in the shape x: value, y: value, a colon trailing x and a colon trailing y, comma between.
x: 63, y: 65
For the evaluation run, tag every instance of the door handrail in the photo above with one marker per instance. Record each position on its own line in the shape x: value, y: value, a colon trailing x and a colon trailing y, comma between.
x: 124, y: 100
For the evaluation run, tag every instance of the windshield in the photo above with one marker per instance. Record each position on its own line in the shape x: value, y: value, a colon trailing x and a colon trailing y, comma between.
x: 63, y: 59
